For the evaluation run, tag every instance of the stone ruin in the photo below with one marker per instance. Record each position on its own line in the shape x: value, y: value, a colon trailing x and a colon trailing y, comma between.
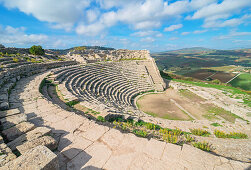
x: 34, y: 128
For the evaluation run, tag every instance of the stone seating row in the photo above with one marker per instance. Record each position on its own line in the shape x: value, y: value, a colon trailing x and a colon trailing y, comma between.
x: 11, y: 75
x: 108, y: 83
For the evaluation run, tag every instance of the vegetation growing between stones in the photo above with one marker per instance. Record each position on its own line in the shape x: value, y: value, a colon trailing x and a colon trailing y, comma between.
x: 101, y: 118
x: 72, y: 103
x: 234, y: 135
x: 202, y: 145
x: 200, y: 132
x: 216, y: 124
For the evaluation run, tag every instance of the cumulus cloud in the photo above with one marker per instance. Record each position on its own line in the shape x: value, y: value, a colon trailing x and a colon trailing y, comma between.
x: 218, y: 14
x: 146, y: 33
x: 199, y: 31
x: 11, y: 35
x: 173, y: 38
x: 233, y: 34
x: 173, y: 27
x: 64, y: 13
x: 185, y: 33
x: 226, y: 23
x: 91, y: 17
x: 147, y: 39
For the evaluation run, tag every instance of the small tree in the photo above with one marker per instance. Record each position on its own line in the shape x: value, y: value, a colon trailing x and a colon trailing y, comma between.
x: 36, y: 50
x: 216, y: 81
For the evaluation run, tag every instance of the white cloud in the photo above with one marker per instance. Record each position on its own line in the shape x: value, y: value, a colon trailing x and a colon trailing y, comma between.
x: 147, y: 39
x: 173, y: 27
x: 60, y: 12
x: 146, y: 33
x: 233, y: 34
x: 173, y: 38
x: 226, y: 7
x: 185, y: 33
x: 227, y: 23
x: 218, y: 14
x: 11, y: 35
x: 199, y: 31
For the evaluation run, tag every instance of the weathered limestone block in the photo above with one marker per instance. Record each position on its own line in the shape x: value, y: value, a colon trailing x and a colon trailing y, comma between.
x: 38, y: 158
x: 34, y: 134
x: 1, y: 140
x: 47, y: 141
x: 4, y: 97
x: 9, y: 113
x: 13, y: 120
x: 16, y: 131
x: 6, y: 154
x: 4, y: 106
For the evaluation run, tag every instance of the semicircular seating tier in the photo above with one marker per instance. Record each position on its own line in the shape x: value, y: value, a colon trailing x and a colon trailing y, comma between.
x: 111, y: 84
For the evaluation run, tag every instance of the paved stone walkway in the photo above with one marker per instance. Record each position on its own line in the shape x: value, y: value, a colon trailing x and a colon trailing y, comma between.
x: 85, y: 144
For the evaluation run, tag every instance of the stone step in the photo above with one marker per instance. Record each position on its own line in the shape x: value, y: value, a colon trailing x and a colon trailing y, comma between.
x: 38, y: 158
x: 47, y: 141
x: 29, y: 136
x: 13, y: 120
x: 16, y: 131
x: 7, y: 113
x: 6, y: 154
x: 1, y: 140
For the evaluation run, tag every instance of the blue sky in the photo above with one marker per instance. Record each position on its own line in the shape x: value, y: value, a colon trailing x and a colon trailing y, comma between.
x: 156, y: 25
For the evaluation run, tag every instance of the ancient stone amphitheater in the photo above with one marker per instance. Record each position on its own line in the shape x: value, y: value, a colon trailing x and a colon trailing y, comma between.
x: 38, y: 131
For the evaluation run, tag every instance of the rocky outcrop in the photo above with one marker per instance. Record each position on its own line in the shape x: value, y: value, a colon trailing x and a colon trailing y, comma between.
x: 93, y: 55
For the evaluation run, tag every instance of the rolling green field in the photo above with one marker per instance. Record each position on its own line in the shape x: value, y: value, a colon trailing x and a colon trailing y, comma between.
x: 243, y: 81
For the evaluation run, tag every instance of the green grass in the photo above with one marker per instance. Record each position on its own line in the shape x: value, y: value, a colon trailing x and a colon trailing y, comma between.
x: 72, y: 103
x: 243, y: 81
x: 101, y: 118
x: 232, y: 90
x: 216, y: 124
x: 224, y: 114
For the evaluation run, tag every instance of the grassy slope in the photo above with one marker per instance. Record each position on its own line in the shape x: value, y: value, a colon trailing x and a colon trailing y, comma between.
x: 243, y: 81
x: 233, y: 90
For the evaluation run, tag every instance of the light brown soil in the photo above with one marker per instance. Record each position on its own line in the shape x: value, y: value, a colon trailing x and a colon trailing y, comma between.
x: 160, y: 105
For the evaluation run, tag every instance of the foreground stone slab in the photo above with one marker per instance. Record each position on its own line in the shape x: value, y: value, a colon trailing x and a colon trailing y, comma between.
x: 193, y: 158
x: 6, y: 154
x: 47, y: 141
x: 13, y: 120
x: 16, y: 131
x: 1, y: 140
x: 9, y: 113
x: 34, y: 134
x: 38, y: 158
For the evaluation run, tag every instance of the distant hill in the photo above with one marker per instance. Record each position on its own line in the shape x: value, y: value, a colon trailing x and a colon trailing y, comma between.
x: 192, y: 50
x: 65, y: 51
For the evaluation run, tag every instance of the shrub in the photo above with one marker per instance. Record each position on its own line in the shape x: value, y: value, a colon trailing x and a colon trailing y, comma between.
x: 170, y: 138
x: 101, y: 118
x: 150, y: 126
x: 189, y: 138
x: 203, y: 146
x: 234, y: 135
x: 216, y: 81
x: 36, y: 50
x: 141, y: 133
x: 72, y: 103
x: 15, y: 60
x: 216, y: 124
x: 200, y: 132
